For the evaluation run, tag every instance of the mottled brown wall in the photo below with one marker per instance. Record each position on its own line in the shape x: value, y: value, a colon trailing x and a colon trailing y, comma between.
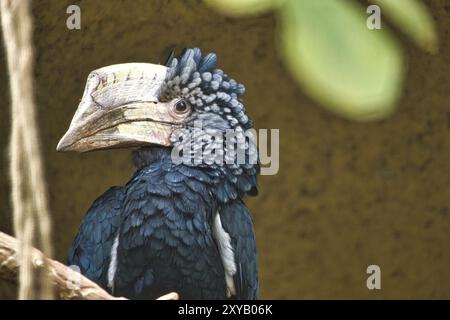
x: 347, y: 195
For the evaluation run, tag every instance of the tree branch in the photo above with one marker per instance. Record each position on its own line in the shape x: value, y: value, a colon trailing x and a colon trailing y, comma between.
x: 68, y: 283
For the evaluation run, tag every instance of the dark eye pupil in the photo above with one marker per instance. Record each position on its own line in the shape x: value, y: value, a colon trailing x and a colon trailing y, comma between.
x: 181, y: 106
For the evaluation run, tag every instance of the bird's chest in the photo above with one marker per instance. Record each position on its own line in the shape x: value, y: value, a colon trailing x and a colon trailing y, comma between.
x: 166, y: 244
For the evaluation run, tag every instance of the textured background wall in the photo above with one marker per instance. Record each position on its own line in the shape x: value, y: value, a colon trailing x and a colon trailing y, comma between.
x: 347, y: 195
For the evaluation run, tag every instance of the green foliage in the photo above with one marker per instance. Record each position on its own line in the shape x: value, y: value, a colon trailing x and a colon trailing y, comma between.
x: 350, y: 69
x: 413, y: 18
x: 244, y: 7
x: 342, y: 64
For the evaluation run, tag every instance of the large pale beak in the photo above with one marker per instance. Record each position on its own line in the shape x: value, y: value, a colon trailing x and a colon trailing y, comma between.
x: 120, y: 108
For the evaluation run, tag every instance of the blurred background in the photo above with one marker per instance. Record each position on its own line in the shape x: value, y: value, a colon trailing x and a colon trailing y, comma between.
x: 348, y: 193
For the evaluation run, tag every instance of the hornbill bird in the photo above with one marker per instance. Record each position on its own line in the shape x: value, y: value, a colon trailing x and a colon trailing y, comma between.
x: 176, y: 225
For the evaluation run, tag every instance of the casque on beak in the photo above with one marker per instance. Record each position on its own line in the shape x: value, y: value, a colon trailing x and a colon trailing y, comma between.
x: 120, y: 108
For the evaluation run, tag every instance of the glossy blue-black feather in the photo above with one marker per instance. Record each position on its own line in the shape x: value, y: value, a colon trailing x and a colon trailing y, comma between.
x: 173, y: 232
x: 91, y: 248
x: 236, y: 220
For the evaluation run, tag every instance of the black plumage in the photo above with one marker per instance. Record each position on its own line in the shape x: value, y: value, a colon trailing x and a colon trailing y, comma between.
x: 159, y: 233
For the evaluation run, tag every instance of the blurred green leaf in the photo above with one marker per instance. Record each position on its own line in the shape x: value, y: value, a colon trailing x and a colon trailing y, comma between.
x: 413, y: 17
x: 353, y: 71
x: 243, y: 7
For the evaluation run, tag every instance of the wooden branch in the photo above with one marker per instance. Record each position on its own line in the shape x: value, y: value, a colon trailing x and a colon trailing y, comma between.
x: 68, y: 283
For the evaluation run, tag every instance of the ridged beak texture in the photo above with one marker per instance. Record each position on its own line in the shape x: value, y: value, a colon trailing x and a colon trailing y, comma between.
x: 120, y: 108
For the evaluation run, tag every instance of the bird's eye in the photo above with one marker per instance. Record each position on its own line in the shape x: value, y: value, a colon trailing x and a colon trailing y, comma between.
x: 181, y: 107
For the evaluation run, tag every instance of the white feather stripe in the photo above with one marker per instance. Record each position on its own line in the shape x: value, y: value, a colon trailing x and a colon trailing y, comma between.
x: 113, y: 263
x: 227, y: 254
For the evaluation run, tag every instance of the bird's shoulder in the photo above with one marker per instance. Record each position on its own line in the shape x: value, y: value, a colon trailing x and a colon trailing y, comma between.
x: 91, y: 247
x: 238, y: 223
